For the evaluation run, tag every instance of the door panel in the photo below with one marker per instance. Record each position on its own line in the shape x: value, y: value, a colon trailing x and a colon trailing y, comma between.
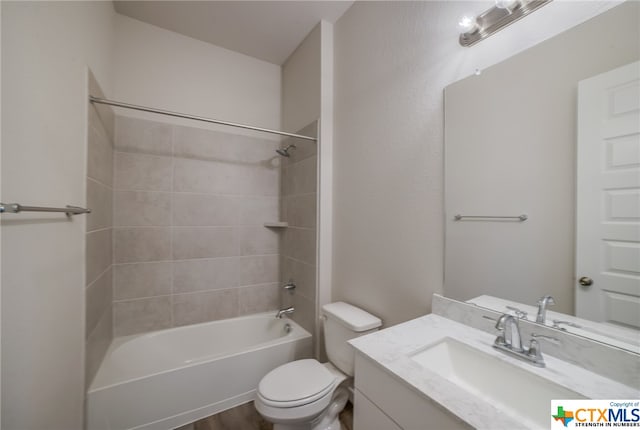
x: 608, y: 209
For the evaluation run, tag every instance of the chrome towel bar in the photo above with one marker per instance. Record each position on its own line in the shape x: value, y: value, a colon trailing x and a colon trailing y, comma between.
x: 17, y: 208
x: 459, y: 217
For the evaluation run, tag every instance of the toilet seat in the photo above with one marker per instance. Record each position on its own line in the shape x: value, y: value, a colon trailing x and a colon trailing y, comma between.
x: 296, y: 383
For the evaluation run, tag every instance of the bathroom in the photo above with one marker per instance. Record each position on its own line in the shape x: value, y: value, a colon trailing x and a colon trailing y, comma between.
x: 177, y: 235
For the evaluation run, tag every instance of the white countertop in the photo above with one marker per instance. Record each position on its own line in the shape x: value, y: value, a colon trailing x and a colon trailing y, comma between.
x: 391, y: 349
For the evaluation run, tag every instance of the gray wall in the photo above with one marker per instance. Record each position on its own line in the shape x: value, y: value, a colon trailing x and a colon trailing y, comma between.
x: 46, y: 48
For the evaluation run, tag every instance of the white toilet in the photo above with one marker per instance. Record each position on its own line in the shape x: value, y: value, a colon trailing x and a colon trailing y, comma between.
x: 309, y: 395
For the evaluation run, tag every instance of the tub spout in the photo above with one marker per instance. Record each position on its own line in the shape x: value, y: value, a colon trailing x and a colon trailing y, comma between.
x: 285, y: 311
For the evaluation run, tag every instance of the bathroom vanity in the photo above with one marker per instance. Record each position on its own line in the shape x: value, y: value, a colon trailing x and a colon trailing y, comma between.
x: 434, y: 372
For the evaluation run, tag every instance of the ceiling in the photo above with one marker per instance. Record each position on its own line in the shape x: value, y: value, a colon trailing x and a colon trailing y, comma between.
x: 268, y: 30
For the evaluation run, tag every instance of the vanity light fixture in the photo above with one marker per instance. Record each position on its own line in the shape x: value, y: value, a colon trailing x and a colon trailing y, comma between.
x: 498, y: 17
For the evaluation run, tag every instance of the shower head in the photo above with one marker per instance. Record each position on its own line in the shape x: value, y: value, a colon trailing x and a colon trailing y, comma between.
x: 285, y: 151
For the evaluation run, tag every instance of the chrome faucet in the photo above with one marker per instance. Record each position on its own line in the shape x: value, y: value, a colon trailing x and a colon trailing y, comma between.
x: 285, y: 311
x: 542, y: 308
x: 510, y: 337
x: 509, y: 341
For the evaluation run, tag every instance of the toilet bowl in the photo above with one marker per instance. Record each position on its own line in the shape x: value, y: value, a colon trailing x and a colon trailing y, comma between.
x: 283, y: 400
x: 307, y: 394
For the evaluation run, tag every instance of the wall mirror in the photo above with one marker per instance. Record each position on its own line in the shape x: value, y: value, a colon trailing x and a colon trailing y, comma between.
x: 514, y: 145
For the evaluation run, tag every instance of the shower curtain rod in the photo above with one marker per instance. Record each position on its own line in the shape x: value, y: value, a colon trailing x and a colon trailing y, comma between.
x: 98, y: 100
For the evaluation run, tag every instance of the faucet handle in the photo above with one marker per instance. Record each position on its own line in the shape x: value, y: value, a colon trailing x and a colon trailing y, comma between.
x: 519, y: 313
x: 534, y: 350
x: 556, y: 324
x: 550, y: 339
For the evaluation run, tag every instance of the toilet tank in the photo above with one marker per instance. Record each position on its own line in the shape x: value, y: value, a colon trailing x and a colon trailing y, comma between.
x: 343, y: 322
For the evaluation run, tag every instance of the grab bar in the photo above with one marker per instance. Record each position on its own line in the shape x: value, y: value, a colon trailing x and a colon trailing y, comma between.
x: 17, y: 208
x: 459, y: 217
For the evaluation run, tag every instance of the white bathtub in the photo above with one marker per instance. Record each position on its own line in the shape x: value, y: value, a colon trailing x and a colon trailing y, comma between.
x: 167, y: 378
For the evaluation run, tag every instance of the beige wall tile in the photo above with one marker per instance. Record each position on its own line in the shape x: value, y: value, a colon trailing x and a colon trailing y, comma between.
x: 98, y: 253
x: 303, y: 275
x: 304, y: 313
x: 98, y: 298
x: 142, y: 315
x: 139, y: 244
x: 257, y: 210
x: 256, y: 151
x: 258, y: 298
x: 204, y: 210
x: 300, y: 243
x: 96, y: 123
x: 141, y: 208
x: 136, y: 280
x: 100, y: 115
x: 259, y: 269
x: 259, y: 181
x: 142, y: 172
x: 259, y: 240
x: 193, y: 308
x: 100, y: 157
x: 210, y: 145
x: 99, y: 245
x: 100, y: 201
x: 304, y: 148
x: 190, y: 226
x: 212, y: 177
x: 97, y: 343
x: 205, y: 274
x: 215, y: 177
x: 300, y: 178
x: 204, y: 145
x: 300, y: 210
x: 139, y: 135
x: 204, y: 242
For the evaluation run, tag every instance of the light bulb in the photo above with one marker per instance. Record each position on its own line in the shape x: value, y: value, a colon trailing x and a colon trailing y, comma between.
x: 505, y: 4
x: 467, y: 23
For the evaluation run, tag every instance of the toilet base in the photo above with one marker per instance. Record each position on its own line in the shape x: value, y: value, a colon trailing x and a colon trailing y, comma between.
x: 305, y: 427
x: 329, y: 419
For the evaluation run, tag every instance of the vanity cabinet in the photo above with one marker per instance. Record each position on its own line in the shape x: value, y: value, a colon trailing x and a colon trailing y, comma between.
x: 367, y: 416
x: 383, y: 402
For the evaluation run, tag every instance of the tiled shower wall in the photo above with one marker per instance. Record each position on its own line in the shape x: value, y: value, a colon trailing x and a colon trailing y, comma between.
x: 188, y: 238
x: 98, y: 266
x: 298, y: 191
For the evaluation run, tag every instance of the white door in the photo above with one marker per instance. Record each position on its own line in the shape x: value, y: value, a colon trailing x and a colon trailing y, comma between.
x: 608, y: 207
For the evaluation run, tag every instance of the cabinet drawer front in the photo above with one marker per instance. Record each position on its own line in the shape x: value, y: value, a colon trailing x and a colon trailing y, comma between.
x: 367, y: 416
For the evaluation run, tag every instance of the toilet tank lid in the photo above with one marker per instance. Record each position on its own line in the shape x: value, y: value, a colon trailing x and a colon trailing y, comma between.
x: 352, y: 317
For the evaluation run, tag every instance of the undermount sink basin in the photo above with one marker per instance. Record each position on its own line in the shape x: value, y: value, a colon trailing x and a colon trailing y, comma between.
x: 510, y: 389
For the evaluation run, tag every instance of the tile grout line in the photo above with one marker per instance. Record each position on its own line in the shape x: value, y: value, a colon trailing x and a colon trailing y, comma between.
x: 172, y: 222
x: 113, y: 217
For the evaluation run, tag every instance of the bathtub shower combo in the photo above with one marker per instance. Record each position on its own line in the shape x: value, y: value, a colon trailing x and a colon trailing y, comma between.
x: 218, y: 342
